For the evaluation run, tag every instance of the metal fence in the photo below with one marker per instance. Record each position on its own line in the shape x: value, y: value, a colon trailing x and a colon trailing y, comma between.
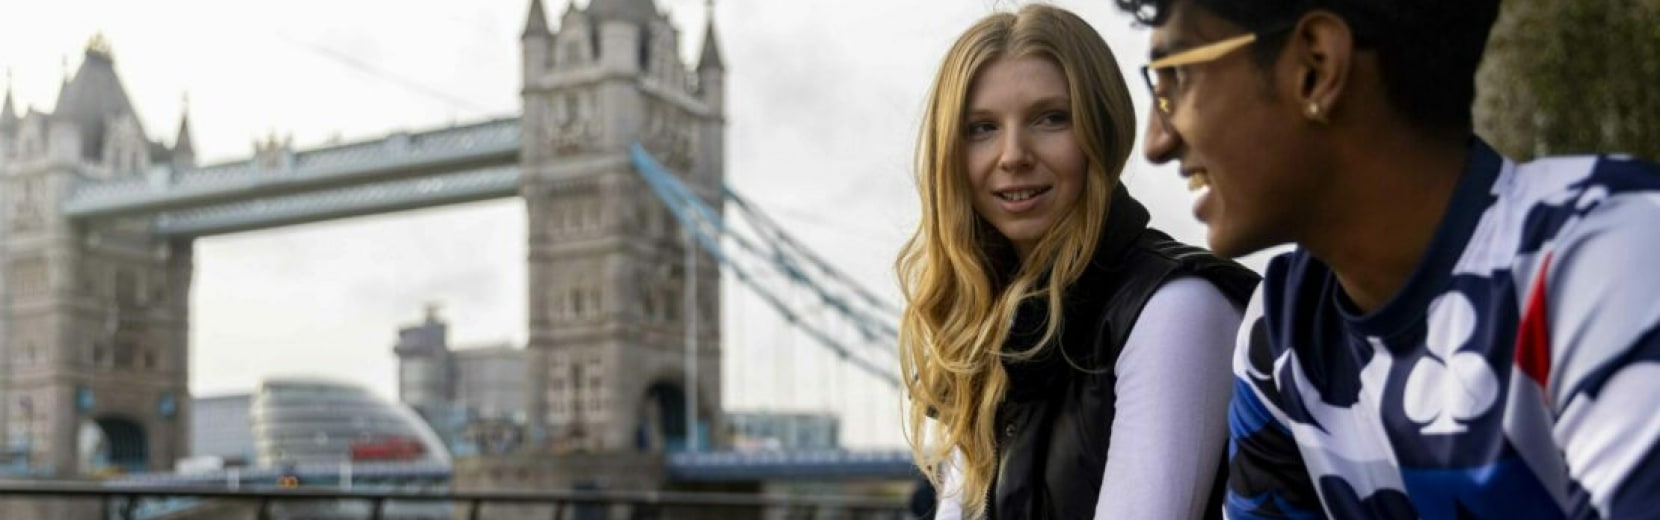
x: 139, y: 503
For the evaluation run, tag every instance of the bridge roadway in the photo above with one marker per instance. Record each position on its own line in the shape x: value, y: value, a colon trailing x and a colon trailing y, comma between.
x: 404, y: 170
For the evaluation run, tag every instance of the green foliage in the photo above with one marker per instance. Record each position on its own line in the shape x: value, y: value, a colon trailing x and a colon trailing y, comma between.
x: 1573, y: 76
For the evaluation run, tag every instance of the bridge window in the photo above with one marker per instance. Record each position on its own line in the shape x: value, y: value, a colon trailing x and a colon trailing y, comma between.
x: 124, y: 354
x: 654, y: 305
x: 29, y: 277
x: 89, y: 278
x: 149, y: 360
x: 25, y: 209
x: 560, y: 108
x: 645, y: 49
x: 568, y: 55
x: 126, y: 287
x: 158, y: 292
x: 671, y: 308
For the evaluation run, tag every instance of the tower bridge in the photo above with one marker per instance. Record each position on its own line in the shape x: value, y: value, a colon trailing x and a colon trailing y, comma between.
x: 99, y: 219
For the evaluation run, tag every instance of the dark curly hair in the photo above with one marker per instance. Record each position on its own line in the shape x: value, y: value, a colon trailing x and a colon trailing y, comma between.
x: 1428, y: 50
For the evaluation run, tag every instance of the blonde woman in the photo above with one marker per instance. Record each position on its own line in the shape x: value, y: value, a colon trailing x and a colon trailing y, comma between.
x: 1062, y: 359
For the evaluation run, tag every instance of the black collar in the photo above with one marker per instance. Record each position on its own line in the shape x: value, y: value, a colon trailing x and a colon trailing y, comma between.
x: 1125, y: 222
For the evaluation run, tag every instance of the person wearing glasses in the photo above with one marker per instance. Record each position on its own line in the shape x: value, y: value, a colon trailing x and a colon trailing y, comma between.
x: 1062, y: 359
x: 1456, y: 335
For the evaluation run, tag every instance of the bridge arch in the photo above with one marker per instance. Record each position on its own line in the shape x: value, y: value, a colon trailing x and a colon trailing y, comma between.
x: 660, y: 424
x: 112, y: 443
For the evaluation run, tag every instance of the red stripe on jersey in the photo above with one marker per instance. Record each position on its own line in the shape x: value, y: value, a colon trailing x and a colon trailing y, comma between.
x: 1533, y: 338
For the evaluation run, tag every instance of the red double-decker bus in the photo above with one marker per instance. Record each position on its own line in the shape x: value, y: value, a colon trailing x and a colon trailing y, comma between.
x: 387, y: 449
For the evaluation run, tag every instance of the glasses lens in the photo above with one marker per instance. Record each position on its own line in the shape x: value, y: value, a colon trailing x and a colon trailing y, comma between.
x: 1160, y: 82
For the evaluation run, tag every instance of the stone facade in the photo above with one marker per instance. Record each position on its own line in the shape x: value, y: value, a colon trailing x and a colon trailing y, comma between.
x: 93, y: 315
x: 607, y: 264
x: 606, y: 354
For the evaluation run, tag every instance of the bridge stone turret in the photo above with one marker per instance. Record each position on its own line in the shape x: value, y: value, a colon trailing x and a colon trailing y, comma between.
x: 93, y: 317
x: 607, y: 264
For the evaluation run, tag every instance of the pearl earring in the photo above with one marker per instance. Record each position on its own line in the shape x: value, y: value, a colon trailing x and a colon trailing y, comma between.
x: 1315, y: 112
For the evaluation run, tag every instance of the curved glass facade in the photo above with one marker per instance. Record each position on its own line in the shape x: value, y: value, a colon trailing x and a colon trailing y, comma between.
x: 309, y: 421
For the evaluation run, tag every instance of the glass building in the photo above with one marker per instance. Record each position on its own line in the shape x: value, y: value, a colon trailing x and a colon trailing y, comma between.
x: 221, y: 429
x: 306, y: 421
x: 754, y: 431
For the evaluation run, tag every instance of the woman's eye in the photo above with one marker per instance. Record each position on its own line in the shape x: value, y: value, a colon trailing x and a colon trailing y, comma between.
x: 1056, y: 118
x: 980, y: 129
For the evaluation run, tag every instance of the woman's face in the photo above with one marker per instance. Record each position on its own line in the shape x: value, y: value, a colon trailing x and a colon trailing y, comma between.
x: 1025, y: 168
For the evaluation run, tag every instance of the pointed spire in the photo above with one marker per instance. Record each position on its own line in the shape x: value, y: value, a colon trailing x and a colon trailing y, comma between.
x: 64, y: 86
x: 184, y: 147
x: 99, y: 46
x: 94, y: 98
x: 537, y: 23
x: 8, y: 114
x: 711, y: 45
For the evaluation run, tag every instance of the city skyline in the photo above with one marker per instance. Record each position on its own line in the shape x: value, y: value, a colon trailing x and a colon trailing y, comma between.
x: 824, y: 100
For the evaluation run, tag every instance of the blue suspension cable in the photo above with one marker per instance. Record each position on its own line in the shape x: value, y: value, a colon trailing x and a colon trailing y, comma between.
x: 704, y: 224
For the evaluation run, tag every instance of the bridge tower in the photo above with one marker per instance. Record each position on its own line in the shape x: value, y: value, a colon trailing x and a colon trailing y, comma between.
x: 93, y: 333
x: 607, y: 264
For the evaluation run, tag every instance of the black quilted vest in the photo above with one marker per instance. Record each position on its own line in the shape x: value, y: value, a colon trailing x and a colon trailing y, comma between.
x: 1055, y: 422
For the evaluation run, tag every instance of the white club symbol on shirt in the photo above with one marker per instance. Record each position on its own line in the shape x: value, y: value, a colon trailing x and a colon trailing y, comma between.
x: 1449, y: 386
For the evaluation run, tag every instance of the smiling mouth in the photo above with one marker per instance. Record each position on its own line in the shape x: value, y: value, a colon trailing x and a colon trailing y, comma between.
x: 1020, y: 195
x: 1198, y: 181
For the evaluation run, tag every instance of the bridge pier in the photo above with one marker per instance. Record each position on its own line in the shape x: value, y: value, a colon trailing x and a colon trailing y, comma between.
x: 545, y: 472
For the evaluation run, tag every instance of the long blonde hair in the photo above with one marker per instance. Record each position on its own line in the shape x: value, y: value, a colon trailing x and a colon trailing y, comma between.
x: 961, y: 281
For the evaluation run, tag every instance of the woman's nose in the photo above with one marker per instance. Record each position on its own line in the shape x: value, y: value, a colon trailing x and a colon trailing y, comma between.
x: 1015, y: 154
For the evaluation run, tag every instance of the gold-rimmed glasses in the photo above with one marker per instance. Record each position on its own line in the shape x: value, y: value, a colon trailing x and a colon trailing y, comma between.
x: 1160, y: 74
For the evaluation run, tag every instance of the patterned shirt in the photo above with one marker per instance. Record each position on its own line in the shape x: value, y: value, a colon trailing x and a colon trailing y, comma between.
x: 1515, y: 375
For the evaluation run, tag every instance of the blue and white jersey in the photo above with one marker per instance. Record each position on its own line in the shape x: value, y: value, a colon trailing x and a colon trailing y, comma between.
x: 1516, y: 374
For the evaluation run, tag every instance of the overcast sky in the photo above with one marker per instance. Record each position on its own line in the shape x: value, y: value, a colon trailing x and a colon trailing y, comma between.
x: 824, y: 100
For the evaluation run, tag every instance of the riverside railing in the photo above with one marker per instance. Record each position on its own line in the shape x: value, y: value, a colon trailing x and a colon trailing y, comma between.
x: 127, y: 503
